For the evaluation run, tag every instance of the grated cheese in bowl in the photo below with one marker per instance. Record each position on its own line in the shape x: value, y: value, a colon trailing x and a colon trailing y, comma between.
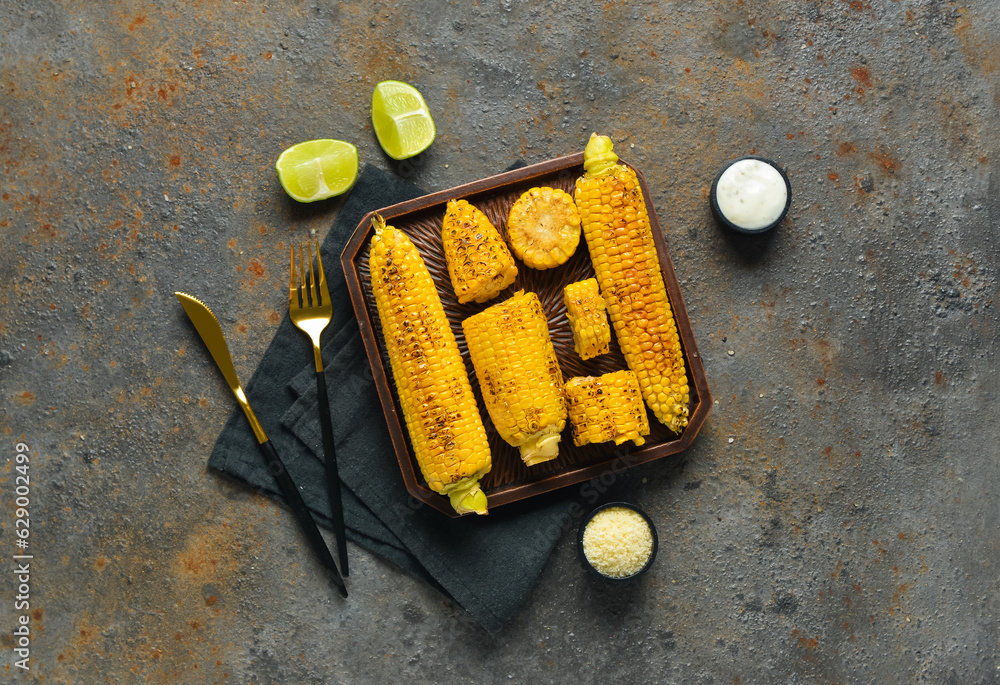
x: 618, y: 541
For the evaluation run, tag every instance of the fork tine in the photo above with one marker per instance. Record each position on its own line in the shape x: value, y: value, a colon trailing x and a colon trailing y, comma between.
x: 302, y: 277
x: 324, y: 291
x: 313, y: 295
x: 293, y: 285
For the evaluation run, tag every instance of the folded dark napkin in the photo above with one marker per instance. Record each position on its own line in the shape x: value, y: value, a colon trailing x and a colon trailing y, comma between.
x: 487, y: 564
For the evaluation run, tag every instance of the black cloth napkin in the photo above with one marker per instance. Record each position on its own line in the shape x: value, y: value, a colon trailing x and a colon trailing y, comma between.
x: 487, y: 564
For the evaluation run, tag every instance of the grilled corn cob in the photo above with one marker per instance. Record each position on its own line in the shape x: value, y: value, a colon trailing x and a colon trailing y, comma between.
x: 479, y: 262
x: 441, y: 414
x: 620, y: 241
x: 585, y: 311
x: 608, y: 407
x: 519, y: 375
x: 543, y: 227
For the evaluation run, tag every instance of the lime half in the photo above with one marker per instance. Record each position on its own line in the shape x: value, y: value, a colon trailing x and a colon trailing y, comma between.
x: 401, y: 119
x: 318, y: 169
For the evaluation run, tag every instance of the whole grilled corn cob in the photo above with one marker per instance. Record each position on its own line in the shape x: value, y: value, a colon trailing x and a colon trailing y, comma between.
x: 620, y: 241
x: 608, y: 407
x: 543, y: 227
x: 519, y: 375
x: 442, y: 417
x: 479, y: 262
x: 585, y: 311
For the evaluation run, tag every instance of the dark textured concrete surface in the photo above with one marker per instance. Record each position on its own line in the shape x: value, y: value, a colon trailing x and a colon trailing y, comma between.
x: 836, y: 520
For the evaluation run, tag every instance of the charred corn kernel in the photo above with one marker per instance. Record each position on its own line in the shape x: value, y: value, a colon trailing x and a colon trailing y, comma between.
x: 479, y: 262
x: 585, y: 309
x: 543, y: 227
x: 519, y: 375
x: 616, y: 226
x: 441, y: 414
x: 608, y: 407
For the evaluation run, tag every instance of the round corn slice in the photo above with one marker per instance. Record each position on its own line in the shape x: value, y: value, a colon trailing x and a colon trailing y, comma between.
x: 543, y: 227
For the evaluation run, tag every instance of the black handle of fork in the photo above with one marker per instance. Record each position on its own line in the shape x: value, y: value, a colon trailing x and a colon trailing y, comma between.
x: 332, y: 476
x: 306, y: 522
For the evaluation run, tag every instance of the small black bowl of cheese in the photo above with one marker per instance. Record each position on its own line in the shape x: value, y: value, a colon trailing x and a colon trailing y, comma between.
x: 617, y: 542
x: 751, y: 195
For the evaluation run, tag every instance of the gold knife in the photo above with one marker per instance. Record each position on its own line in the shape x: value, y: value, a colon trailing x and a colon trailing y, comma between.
x: 215, y: 340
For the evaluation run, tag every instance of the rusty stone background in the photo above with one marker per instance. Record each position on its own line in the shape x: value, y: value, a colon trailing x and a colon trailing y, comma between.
x: 836, y: 520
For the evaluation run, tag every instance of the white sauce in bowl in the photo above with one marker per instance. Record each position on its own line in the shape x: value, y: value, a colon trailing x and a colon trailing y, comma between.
x: 751, y: 194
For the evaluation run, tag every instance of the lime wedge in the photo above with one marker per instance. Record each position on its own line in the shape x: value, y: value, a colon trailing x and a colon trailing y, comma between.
x: 318, y: 169
x: 401, y: 119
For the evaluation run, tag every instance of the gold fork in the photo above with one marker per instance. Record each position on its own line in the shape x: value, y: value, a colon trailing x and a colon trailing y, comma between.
x: 310, y: 309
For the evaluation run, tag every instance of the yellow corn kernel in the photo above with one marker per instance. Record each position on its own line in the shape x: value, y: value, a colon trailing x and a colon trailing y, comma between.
x: 519, y: 375
x: 608, y: 407
x: 479, y: 263
x: 616, y: 226
x: 585, y: 311
x: 442, y: 417
x: 543, y: 227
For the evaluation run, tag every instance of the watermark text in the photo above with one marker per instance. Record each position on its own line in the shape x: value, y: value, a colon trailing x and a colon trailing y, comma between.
x: 22, y: 556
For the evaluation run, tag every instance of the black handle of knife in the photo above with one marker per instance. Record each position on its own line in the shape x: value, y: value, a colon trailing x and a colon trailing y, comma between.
x: 294, y: 500
x: 332, y: 476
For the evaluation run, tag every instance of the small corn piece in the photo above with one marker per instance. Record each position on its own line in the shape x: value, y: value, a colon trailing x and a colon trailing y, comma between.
x: 519, y: 375
x: 620, y: 240
x: 585, y: 309
x: 608, y: 407
x: 543, y: 227
x: 442, y: 417
x: 479, y: 262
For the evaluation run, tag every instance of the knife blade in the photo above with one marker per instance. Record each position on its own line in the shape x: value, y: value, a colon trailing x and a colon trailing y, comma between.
x: 210, y: 330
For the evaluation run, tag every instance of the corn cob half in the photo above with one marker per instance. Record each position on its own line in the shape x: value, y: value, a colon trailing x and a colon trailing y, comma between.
x: 608, y: 407
x: 442, y: 417
x: 585, y: 309
x: 519, y: 375
x: 620, y: 240
x: 479, y: 262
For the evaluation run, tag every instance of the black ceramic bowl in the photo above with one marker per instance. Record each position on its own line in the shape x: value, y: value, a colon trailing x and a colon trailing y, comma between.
x: 725, y: 221
x: 590, y: 567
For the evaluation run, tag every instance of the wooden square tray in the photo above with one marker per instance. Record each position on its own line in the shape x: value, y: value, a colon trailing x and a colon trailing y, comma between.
x: 510, y: 480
